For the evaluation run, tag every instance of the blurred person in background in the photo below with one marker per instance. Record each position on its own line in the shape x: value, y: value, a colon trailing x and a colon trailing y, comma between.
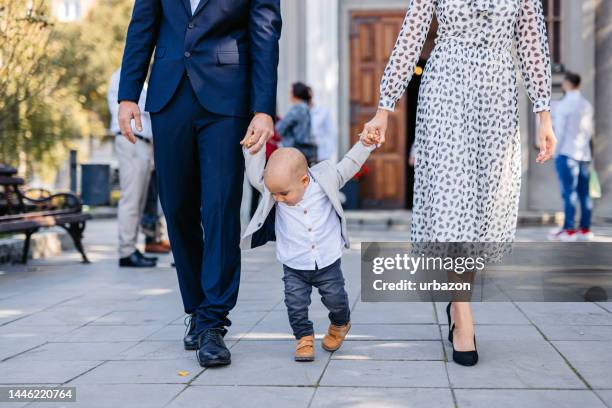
x: 135, y: 169
x: 323, y: 131
x: 295, y: 127
x: 574, y: 127
x: 153, y: 223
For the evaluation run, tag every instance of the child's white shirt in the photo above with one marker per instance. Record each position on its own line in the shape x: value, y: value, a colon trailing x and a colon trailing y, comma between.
x: 309, y: 232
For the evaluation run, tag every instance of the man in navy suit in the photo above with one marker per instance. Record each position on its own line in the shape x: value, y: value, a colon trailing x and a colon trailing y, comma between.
x: 212, y: 85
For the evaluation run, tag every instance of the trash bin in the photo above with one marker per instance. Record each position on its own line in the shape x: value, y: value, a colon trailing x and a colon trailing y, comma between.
x: 95, y: 184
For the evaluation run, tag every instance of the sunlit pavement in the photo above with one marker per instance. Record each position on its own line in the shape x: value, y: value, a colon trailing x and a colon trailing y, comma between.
x: 115, y: 334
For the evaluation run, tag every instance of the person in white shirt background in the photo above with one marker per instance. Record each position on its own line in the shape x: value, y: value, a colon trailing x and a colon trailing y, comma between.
x: 324, y: 131
x: 135, y: 169
x: 574, y: 127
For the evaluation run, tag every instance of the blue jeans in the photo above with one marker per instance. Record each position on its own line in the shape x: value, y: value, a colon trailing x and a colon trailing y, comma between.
x: 298, y: 287
x: 574, y: 179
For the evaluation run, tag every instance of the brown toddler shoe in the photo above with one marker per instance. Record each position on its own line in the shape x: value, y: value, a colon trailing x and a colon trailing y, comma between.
x: 304, y: 351
x: 335, y: 336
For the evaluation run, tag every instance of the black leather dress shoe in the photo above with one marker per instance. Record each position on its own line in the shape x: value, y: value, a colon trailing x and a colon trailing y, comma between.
x: 148, y: 258
x: 136, y: 260
x: 190, y: 341
x: 212, y: 350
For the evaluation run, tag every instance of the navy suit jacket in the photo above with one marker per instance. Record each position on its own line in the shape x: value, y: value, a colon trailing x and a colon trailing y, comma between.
x: 229, y: 49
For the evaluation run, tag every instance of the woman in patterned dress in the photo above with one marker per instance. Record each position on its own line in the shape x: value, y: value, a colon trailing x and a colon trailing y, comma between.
x: 468, y: 164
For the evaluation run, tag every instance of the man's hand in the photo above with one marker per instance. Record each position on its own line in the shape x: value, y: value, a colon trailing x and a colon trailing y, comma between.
x: 259, y: 132
x: 377, y: 126
x: 546, y: 137
x: 129, y: 110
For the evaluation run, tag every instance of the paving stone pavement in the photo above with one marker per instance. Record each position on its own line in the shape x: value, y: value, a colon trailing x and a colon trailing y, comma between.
x: 115, y: 334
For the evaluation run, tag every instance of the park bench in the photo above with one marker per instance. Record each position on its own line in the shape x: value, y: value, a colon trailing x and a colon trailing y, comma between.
x: 26, y: 211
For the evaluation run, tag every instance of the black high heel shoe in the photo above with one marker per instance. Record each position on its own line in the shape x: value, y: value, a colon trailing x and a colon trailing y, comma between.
x: 464, y: 358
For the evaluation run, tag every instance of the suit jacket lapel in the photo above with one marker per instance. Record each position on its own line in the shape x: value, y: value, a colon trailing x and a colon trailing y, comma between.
x: 187, y: 5
x: 200, y: 6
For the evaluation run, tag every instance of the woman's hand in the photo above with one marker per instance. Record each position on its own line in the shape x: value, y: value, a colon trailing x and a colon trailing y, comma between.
x: 546, y: 137
x: 377, y: 126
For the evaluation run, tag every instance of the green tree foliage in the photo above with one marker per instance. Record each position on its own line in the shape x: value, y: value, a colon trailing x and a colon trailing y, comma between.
x: 54, y: 77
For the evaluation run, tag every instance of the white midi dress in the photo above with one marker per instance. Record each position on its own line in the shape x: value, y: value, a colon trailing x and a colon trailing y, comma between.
x: 468, y: 158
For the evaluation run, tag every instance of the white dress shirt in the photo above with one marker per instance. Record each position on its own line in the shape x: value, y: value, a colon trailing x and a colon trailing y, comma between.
x: 573, y: 125
x: 194, y: 5
x: 309, y: 232
x: 113, y: 106
x: 324, y: 131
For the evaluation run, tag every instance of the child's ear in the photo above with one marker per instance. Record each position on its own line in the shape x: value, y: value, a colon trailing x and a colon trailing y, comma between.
x: 304, y: 179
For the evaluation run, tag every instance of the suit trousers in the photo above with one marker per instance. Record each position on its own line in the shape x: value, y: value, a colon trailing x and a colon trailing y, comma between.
x: 200, y: 170
x: 135, y: 168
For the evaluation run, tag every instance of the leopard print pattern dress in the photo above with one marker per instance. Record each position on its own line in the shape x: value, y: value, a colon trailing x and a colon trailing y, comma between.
x: 468, y: 157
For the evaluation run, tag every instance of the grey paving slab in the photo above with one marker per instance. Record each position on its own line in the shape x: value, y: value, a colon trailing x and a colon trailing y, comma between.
x: 261, y: 289
x: 390, y: 350
x: 16, y: 333
x: 606, y: 396
x: 381, y: 313
x: 606, y: 305
x: 7, y: 316
x: 62, y: 316
x: 74, y: 352
x: 576, y: 332
x: 275, y: 326
x: 240, y: 397
x: 266, y: 363
x: 592, y: 359
x: 368, y: 373
x: 16, y: 371
x: 159, y: 350
x: 16, y: 339
x: 394, y: 332
x: 493, y: 333
x: 105, y: 333
x: 513, y: 357
x: 175, y: 371
x: 264, y: 305
x: 13, y: 404
x: 12, y: 348
x: 35, y: 302
x: 173, y: 332
x: 246, y: 318
x: 527, y: 399
x: 363, y: 397
x: 137, y: 318
x: 542, y: 313
x: 497, y: 313
x: 120, y: 395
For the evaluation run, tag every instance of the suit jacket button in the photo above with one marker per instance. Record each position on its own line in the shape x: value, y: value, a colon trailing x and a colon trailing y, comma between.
x: 187, y: 54
x: 190, y: 25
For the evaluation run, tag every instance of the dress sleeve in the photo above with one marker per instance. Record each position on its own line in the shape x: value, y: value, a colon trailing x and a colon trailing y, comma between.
x: 406, y: 53
x: 533, y: 54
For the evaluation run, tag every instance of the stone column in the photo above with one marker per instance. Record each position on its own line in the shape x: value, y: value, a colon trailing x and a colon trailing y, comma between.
x: 322, y: 58
x: 603, y: 101
x: 292, y: 64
